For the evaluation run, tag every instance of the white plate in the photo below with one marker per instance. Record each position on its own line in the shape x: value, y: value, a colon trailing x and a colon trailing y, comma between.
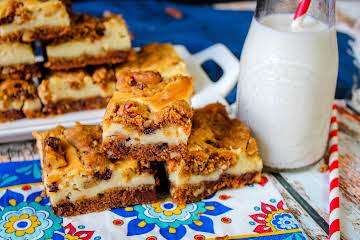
x: 206, y: 91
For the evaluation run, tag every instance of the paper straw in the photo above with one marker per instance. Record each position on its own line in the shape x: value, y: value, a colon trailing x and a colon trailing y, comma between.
x: 302, y: 9
x: 334, y: 196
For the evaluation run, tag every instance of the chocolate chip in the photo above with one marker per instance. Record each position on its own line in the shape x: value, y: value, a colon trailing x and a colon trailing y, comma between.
x: 99, y: 31
x: 100, y: 195
x: 128, y: 139
x: 133, y: 82
x: 56, y: 144
x: 53, y: 187
x: 17, y: 85
x: 149, y: 130
x: 163, y: 146
x: 106, y: 175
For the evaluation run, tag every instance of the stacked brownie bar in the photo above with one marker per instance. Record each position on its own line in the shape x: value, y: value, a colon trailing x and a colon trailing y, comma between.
x: 22, y: 22
x: 149, y: 116
x: 150, y: 136
x: 81, y: 55
x: 80, y: 177
x: 148, y: 126
x: 221, y: 153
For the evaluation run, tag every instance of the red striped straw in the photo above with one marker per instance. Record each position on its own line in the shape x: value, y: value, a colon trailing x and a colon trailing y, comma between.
x: 302, y: 8
x: 334, y: 198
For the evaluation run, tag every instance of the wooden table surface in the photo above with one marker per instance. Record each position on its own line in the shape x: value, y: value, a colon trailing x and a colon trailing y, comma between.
x: 306, y: 190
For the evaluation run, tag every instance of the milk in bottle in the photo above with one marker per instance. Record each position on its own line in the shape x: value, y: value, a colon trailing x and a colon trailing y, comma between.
x: 286, y: 87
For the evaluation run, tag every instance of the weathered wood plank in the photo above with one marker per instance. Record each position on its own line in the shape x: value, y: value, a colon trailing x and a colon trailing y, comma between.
x: 311, y: 228
x: 313, y: 185
x: 18, y: 151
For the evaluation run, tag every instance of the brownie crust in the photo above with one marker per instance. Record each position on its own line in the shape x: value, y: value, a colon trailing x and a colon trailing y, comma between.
x: 185, y: 193
x: 111, y: 57
x: 11, y: 115
x: 115, y: 148
x: 70, y: 105
x: 114, y: 198
x: 40, y: 33
x: 20, y: 71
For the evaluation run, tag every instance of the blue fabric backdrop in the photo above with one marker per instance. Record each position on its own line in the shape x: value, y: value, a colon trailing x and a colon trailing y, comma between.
x: 199, y: 28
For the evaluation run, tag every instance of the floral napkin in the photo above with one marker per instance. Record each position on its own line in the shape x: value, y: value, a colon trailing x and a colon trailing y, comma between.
x: 254, y: 212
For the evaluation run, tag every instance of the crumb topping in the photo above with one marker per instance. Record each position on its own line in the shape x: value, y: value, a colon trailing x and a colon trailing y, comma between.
x: 19, y: 71
x: 138, y: 116
x: 22, y: 11
x: 79, y: 149
x: 146, y: 84
x: 82, y: 25
x: 11, y: 90
x: 152, y: 57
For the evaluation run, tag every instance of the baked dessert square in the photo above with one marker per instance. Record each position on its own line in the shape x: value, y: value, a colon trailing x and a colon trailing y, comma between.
x: 79, y: 179
x: 157, y: 57
x: 29, y: 20
x: 62, y: 92
x: 90, y: 41
x: 18, y: 99
x: 149, y: 117
x: 221, y: 154
x: 17, y: 61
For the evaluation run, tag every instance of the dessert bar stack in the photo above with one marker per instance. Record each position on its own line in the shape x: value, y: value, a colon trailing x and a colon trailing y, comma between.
x: 149, y: 115
x: 77, y: 70
x: 150, y: 138
x: 21, y: 23
x: 79, y: 179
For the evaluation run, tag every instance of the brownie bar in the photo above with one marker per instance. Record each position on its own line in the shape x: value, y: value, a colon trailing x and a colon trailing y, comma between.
x: 63, y: 92
x: 18, y: 99
x: 90, y: 41
x: 79, y: 179
x: 149, y: 117
x: 17, y: 61
x: 29, y: 20
x: 221, y: 153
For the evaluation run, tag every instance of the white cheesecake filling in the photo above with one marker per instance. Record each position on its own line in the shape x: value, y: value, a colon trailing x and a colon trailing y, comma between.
x: 244, y: 165
x: 51, y: 13
x: 116, y: 38
x: 170, y: 135
x: 178, y: 69
x: 32, y: 105
x: 15, y: 104
x: 16, y: 53
x: 75, y: 189
x: 59, y: 88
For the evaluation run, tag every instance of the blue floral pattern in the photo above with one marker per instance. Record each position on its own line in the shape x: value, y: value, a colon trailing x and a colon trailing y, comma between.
x: 29, y: 218
x: 284, y: 221
x: 172, y: 219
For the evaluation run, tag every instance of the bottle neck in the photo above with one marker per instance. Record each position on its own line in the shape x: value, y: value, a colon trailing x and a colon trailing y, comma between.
x: 322, y: 10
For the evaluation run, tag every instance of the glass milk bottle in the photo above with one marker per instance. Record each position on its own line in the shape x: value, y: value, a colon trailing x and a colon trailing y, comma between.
x: 287, y: 81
